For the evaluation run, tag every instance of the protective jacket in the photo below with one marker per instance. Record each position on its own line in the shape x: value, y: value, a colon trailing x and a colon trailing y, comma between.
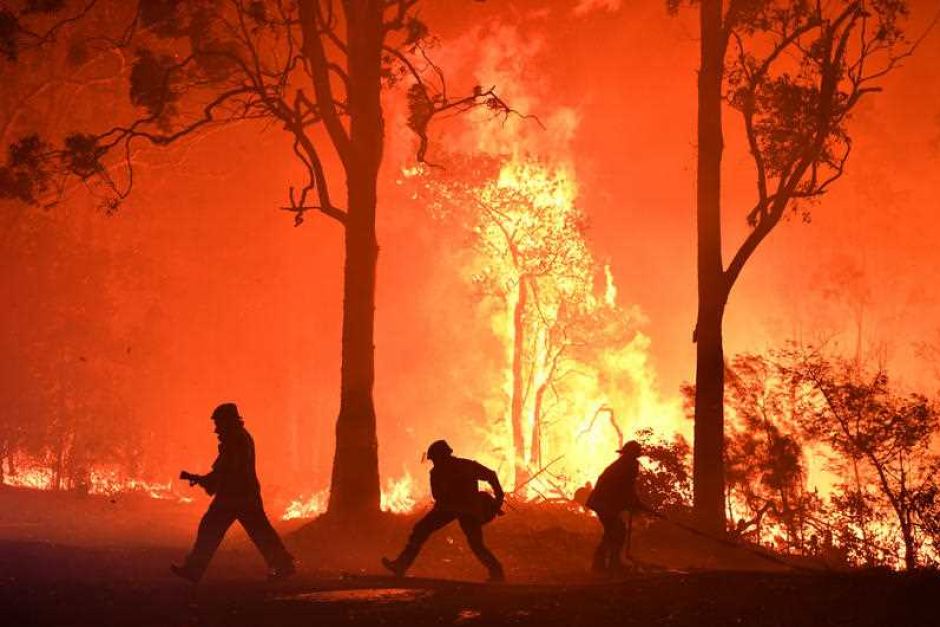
x: 616, y: 487
x: 454, y: 486
x: 233, y: 472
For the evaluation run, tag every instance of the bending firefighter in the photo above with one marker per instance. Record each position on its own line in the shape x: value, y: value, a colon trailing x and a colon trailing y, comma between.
x: 456, y: 497
x: 234, y: 484
x: 614, y: 494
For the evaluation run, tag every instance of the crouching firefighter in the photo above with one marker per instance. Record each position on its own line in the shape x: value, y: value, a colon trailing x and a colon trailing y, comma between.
x: 614, y: 494
x: 454, y: 486
x: 237, y: 496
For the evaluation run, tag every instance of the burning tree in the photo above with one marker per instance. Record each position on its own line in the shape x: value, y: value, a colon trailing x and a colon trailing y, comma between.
x: 879, y: 504
x: 766, y: 471
x: 575, y: 358
x: 533, y: 259
x: 864, y: 420
x: 794, y: 72
x: 665, y: 484
x: 315, y: 68
x: 531, y: 238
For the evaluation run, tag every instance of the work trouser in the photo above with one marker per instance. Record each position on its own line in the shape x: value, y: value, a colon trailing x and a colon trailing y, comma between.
x: 438, y: 518
x: 607, y: 554
x: 249, y: 511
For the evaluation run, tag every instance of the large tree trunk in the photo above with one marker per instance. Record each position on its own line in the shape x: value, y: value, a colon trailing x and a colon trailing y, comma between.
x: 355, y: 486
x: 517, y: 401
x: 708, y: 459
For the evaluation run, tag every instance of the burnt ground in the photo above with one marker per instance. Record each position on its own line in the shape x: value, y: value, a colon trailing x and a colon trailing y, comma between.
x: 94, y: 562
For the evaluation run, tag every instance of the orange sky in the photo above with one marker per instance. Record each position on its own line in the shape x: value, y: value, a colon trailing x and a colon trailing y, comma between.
x: 214, y: 295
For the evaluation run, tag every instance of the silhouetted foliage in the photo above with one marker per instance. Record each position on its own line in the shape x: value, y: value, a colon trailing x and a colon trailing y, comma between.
x: 25, y: 175
x: 15, y: 32
x: 665, y: 482
x: 766, y: 472
x: 860, y: 416
x: 153, y: 85
x: 9, y: 26
x: 880, y: 507
x: 200, y: 64
x: 83, y: 155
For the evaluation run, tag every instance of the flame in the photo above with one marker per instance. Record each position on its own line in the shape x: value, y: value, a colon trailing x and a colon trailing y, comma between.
x: 101, y: 480
x: 610, y: 293
x: 110, y: 482
x: 398, y: 495
x: 582, y: 398
x: 307, y: 507
x: 35, y: 478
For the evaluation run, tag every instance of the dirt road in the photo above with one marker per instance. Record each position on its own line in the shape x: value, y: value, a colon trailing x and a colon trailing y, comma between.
x: 104, y: 562
x: 42, y: 585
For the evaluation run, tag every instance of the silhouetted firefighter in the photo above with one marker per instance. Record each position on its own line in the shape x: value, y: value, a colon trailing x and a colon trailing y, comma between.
x: 234, y: 484
x: 454, y: 486
x: 614, y: 494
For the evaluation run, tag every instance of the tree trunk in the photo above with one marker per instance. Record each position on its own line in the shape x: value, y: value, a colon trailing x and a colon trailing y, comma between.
x: 860, y: 520
x: 535, y: 448
x: 58, y: 469
x: 910, y: 546
x: 787, y: 517
x: 708, y: 458
x: 355, y: 489
x: 518, y: 347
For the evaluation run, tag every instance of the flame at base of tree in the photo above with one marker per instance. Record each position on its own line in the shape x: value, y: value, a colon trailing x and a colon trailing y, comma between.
x: 399, y: 496
x: 307, y: 507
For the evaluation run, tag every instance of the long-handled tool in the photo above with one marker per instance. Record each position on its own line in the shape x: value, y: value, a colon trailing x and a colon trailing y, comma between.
x: 726, y: 541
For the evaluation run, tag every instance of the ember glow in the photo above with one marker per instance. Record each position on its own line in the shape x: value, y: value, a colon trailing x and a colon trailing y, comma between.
x: 100, y: 481
x: 114, y: 482
x: 35, y: 478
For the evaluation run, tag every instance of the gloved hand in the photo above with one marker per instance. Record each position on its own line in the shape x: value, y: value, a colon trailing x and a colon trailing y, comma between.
x: 192, y: 478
